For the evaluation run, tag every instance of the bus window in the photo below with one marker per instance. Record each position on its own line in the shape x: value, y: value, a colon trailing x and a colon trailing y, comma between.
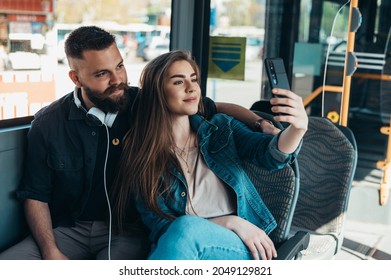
x: 233, y: 19
x: 33, y: 66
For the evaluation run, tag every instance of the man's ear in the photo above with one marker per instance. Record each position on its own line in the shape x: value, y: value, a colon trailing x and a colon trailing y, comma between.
x: 74, y: 77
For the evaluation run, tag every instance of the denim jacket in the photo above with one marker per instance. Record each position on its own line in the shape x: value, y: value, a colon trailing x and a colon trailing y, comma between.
x: 224, y: 143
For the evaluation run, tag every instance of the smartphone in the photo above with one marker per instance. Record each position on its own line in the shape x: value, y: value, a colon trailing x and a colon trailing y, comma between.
x: 276, y: 73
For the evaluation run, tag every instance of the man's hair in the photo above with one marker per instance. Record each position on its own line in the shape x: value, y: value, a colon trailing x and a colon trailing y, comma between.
x: 87, y: 38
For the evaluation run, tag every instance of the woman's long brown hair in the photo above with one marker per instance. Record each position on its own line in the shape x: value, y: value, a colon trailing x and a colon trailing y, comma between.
x: 147, y: 153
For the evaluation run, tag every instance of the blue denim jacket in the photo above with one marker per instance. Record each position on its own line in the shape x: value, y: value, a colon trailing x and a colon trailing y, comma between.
x: 224, y: 143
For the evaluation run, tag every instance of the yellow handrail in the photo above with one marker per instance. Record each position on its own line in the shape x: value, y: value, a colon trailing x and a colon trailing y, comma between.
x: 318, y: 91
x: 384, y: 190
x: 347, y: 78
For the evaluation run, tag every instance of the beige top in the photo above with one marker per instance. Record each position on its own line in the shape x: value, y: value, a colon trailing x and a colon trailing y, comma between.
x: 209, y: 196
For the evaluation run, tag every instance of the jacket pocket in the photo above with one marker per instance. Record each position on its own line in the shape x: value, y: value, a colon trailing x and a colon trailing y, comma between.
x: 220, y: 139
x: 65, y: 162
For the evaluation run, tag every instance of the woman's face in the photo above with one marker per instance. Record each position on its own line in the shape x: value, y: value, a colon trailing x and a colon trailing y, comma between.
x: 182, y: 89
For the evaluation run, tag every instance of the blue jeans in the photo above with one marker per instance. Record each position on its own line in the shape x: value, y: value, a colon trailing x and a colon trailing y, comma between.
x: 194, y: 238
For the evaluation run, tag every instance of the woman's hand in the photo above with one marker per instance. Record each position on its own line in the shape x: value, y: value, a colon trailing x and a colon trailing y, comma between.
x: 256, y: 240
x: 290, y: 108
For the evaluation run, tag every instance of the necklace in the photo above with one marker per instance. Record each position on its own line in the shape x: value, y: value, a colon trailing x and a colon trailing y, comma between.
x: 182, y: 152
x: 189, y: 199
x: 184, y: 155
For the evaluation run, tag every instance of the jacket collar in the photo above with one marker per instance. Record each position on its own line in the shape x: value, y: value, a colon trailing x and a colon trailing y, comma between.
x: 75, y: 113
x: 202, y: 126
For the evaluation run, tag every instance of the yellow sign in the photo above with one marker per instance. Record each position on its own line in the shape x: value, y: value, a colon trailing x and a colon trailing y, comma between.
x: 227, y: 57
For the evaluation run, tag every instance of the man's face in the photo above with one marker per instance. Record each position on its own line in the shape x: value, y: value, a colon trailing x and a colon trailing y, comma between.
x: 102, y: 78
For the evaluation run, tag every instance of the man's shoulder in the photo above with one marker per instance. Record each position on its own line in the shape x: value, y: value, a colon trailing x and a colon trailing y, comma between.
x: 52, y: 111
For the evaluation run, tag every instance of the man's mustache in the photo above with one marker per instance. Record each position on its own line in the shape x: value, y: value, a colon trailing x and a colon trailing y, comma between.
x: 111, y: 89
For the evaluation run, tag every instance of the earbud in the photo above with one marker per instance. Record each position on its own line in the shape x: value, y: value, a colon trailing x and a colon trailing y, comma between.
x: 95, y: 116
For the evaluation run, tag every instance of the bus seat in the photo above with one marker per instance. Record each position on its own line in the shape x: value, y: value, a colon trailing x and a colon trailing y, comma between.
x: 279, y: 190
x: 262, y: 106
x: 327, y: 163
x: 12, y: 150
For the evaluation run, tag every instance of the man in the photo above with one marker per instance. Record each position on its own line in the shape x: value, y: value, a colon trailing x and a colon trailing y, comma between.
x: 74, y: 146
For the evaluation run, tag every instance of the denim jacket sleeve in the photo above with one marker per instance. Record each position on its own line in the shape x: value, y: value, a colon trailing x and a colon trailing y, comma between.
x: 260, y: 148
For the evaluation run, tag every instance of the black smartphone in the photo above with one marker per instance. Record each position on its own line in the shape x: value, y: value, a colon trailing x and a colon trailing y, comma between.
x: 276, y: 73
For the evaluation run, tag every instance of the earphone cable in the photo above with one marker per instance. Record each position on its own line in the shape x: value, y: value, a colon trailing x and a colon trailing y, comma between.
x: 106, y: 192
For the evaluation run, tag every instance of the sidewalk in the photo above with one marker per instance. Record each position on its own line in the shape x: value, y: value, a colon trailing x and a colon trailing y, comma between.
x: 365, y: 241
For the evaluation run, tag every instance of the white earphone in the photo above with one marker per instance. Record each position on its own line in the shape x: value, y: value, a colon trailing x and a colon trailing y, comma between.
x: 95, y: 115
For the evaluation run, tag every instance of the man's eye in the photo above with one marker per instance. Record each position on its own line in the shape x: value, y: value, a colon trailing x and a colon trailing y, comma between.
x: 101, y: 74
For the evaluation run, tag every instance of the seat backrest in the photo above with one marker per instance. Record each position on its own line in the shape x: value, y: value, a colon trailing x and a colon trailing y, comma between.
x: 278, y: 189
x: 12, y: 151
x: 327, y: 163
x: 279, y: 192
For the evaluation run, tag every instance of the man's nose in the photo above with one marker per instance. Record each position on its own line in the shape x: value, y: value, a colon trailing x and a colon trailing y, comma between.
x: 115, y: 79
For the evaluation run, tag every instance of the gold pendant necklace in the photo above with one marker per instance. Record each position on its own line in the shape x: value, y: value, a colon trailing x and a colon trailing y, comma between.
x: 185, y: 155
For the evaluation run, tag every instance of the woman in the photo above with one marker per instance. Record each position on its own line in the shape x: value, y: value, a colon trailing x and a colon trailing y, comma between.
x: 185, y: 171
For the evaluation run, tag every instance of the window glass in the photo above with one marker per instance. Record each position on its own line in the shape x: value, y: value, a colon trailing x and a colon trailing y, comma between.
x: 237, y: 18
x: 33, y: 67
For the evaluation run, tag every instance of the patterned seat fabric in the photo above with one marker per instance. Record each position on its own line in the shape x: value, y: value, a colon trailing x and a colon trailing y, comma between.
x: 327, y: 163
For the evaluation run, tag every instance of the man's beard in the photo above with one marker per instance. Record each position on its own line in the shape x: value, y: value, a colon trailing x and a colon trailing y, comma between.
x: 107, y: 104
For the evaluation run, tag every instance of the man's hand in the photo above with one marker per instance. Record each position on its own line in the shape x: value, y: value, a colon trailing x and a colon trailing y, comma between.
x: 55, y: 255
x: 267, y: 127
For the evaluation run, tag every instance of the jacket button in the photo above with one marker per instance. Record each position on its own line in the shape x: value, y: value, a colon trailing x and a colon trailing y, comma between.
x: 183, y: 194
x: 93, y: 133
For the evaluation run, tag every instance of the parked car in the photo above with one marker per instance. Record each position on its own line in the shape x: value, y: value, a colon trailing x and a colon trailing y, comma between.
x: 154, y: 47
x: 24, y: 61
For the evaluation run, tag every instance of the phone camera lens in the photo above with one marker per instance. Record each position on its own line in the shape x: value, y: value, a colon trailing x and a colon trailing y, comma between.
x: 274, y: 79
